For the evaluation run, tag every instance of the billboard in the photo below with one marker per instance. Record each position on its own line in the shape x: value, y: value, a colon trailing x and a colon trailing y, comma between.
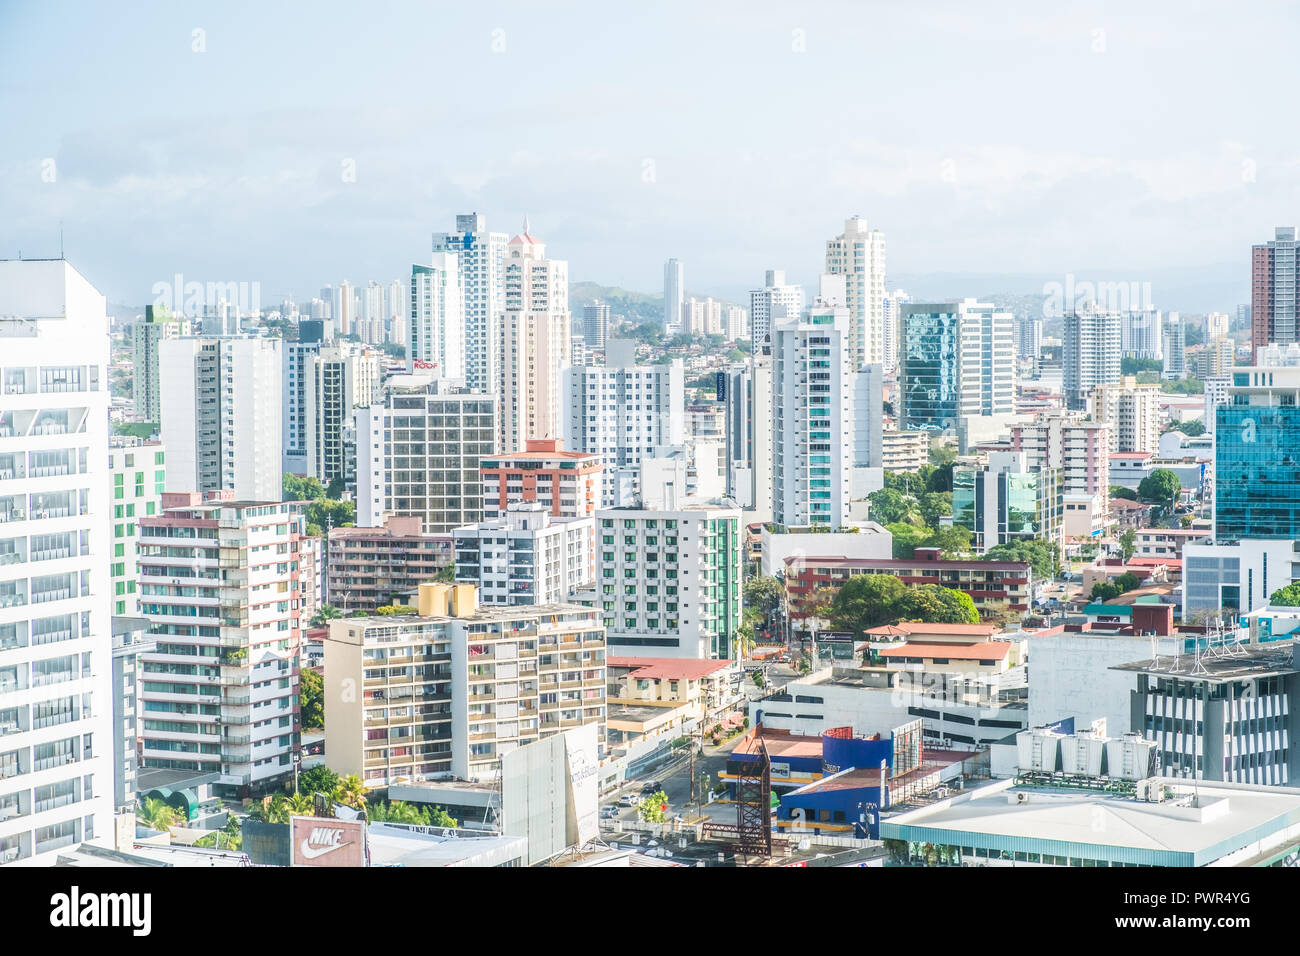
x: 550, y: 792
x: 324, y: 841
x: 581, y: 746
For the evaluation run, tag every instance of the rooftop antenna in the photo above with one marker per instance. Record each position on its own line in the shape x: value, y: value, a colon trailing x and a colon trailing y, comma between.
x: 61, y: 256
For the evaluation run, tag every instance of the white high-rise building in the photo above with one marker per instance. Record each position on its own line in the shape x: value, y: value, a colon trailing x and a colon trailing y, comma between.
x: 1091, y: 354
x: 526, y: 556
x: 480, y: 256
x: 311, y: 339
x: 958, y: 361
x: 595, y: 325
x: 812, y: 414
x: 1133, y: 413
x: 535, y: 343
x: 674, y: 294
x: 1175, y: 358
x: 737, y: 323
x: 858, y: 254
x: 621, y: 410
x: 146, y: 333
x: 345, y: 314
x: 775, y: 301
x: 668, y: 579
x: 1141, y: 334
x: 418, y: 454
x: 222, y: 415
x: 437, y: 338
x: 56, y: 642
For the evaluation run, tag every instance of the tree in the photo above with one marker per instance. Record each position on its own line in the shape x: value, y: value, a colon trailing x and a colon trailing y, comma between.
x: 758, y: 679
x: 1288, y: 596
x: 446, y: 575
x: 907, y: 538
x: 953, y: 542
x: 935, y: 604
x: 336, y: 487
x: 156, y: 815
x: 391, y: 610
x: 302, y: 489
x: 1106, y: 591
x: 311, y: 699
x: 745, y: 640
x: 327, y: 514
x: 935, y: 505
x: 865, y: 601
x: 654, y: 808
x: 1127, y: 544
x: 352, y: 792
x: 1161, y: 486
x: 1132, y: 366
x: 318, y: 780
x: 300, y: 804
x: 1191, y: 429
x: 1128, y: 581
x: 1117, y: 491
x: 889, y: 506
x: 763, y: 592
x: 1042, y: 556
x: 324, y: 614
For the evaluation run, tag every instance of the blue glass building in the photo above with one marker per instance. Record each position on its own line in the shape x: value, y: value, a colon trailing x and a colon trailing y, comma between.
x: 1257, y: 470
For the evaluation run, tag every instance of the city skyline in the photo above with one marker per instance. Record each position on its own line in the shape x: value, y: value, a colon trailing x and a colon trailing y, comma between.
x: 640, y: 165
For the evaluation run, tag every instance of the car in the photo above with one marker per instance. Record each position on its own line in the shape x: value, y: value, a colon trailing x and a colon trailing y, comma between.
x: 607, y: 813
x: 628, y: 800
x: 652, y: 786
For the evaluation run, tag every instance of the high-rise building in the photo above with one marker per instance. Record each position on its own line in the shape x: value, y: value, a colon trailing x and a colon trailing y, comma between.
x: 736, y: 321
x: 345, y: 314
x: 480, y: 256
x: 869, y: 416
x: 158, y: 324
x: 1078, y: 448
x: 1133, y: 413
x: 595, y: 325
x: 222, y: 415
x: 337, y: 380
x: 56, y: 713
x: 1142, y: 333
x: 1006, y: 500
x: 311, y: 339
x: 1217, y: 325
x: 747, y: 394
x: 674, y: 294
x: 1175, y: 358
x: 535, y: 348
x: 858, y: 254
x: 418, y: 454
x: 957, y: 360
x: 1274, y: 276
x: 489, y: 680
x: 1257, y: 450
x: 1029, y: 340
x: 1216, y: 394
x: 221, y: 589
x: 1091, y: 354
x: 812, y: 415
x: 668, y: 580
x: 526, y: 556
x: 622, y: 410
x: 770, y: 304
x: 138, y: 471
x: 437, y: 325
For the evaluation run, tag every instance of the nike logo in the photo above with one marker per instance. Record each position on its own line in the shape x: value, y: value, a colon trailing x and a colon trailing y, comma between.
x: 311, y: 853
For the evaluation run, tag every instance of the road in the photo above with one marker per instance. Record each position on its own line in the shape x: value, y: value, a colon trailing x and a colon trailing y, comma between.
x: 676, y: 784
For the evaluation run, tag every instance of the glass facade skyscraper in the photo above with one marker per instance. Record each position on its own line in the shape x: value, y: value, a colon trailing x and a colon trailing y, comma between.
x: 1257, y: 469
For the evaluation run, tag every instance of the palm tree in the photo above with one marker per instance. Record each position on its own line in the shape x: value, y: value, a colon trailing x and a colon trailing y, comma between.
x: 352, y: 792
x: 156, y: 815
x: 300, y: 804
x: 324, y: 614
x: 745, y: 640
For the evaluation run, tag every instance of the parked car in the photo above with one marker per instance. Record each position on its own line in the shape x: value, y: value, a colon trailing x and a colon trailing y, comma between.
x: 628, y: 800
x: 652, y: 786
x: 607, y: 813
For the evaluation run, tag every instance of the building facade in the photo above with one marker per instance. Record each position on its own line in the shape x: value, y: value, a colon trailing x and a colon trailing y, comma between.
x: 1006, y: 501
x: 158, y: 324
x: 525, y: 556
x: 1091, y: 354
x: 368, y: 568
x: 774, y: 302
x: 138, y: 471
x: 480, y: 259
x: 858, y: 254
x: 958, y: 359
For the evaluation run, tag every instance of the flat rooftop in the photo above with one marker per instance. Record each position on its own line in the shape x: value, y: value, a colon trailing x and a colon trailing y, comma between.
x: 1197, y: 825
x: 668, y: 668
x: 1230, y: 663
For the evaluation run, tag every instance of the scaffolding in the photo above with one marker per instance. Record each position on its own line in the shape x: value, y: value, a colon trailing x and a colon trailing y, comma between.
x: 754, y: 805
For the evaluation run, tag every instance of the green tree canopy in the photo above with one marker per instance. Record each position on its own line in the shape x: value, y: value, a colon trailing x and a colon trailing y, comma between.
x: 318, y: 780
x: 311, y: 699
x: 1190, y: 428
x: 935, y: 505
x: 1043, y: 556
x: 865, y: 601
x: 1288, y: 596
x: 324, y: 614
x: 302, y: 489
x: 889, y: 507
x: 1161, y: 486
x: 1127, y: 544
x: 1119, y: 491
x: 763, y: 592
x: 1132, y: 366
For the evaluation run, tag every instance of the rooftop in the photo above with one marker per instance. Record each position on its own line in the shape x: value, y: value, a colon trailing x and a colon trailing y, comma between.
x: 780, y: 743
x: 980, y: 651
x: 1227, y: 664
x: 668, y: 668
x: 835, y: 562
x: 1198, y: 825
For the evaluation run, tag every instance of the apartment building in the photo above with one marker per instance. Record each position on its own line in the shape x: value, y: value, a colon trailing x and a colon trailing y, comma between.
x: 526, y: 556
x: 567, y: 482
x: 858, y: 254
x: 621, y: 411
x: 450, y: 690
x: 56, y: 691
x: 773, y: 303
x: 1091, y: 354
x: 158, y: 324
x: 668, y: 581
x: 220, y: 584
x: 222, y: 415
x: 336, y: 381
x: 418, y: 454
x: 1133, y: 413
x: 139, y: 476
x: 480, y: 259
x: 368, y: 568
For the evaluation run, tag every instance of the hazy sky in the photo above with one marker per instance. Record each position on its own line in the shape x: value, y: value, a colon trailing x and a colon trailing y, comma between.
x: 982, y: 138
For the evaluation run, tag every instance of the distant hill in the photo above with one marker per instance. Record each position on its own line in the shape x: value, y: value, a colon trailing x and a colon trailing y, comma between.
x: 634, y: 307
